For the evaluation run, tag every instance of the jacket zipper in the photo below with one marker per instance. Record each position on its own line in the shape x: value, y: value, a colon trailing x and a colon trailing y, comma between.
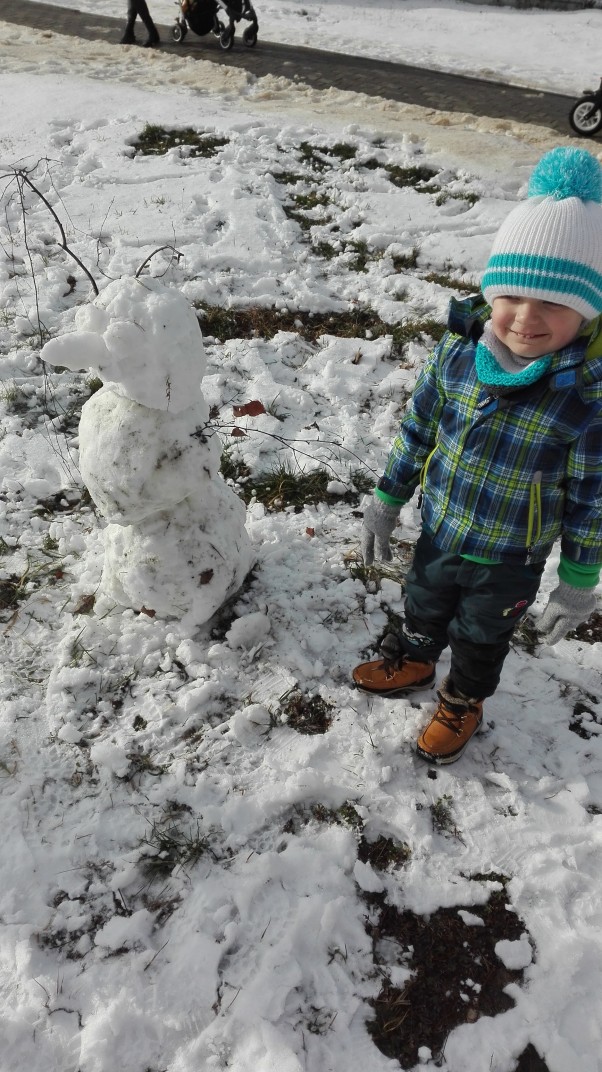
x: 534, y: 519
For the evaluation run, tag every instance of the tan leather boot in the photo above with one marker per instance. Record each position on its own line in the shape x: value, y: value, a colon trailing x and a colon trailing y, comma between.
x: 387, y: 677
x: 455, y: 721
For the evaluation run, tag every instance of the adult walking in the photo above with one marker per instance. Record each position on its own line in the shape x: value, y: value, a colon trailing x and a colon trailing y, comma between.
x: 140, y: 8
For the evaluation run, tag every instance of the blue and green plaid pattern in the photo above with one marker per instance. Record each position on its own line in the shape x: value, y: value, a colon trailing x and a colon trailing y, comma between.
x: 487, y: 454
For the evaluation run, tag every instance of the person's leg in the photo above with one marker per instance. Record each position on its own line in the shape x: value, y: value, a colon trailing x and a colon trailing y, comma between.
x: 129, y: 36
x: 493, y: 601
x: 153, y: 34
x: 432, y: 594
x: 410, y: 655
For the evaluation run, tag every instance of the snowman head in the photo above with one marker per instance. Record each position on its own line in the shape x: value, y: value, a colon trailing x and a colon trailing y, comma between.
x: 142, y: 339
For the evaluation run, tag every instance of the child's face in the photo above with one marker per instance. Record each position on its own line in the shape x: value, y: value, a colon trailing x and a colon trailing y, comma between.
x: 531, y: 328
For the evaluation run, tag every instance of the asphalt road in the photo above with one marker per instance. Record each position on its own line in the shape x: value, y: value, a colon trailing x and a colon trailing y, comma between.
x: 320, y: 69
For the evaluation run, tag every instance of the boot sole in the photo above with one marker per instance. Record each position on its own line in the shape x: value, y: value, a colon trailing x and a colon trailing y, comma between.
x: 418, y: 686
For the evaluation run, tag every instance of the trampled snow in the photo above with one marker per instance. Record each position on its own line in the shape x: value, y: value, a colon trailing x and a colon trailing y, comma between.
x: 175, y: 893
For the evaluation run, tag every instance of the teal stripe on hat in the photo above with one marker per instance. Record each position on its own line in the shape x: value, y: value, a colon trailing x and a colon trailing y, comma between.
x: 509, y: 276
x: 534, y: 262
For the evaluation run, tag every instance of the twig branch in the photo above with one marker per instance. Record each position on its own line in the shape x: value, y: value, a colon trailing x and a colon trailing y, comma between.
x: 175, y: 254
x: 23, y: 179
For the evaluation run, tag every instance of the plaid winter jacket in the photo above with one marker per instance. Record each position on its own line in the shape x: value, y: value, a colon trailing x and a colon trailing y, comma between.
x: 503, y: 478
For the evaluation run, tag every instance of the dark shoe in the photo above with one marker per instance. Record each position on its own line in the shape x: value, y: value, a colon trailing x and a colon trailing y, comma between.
x: 451, y: 727
x: 128, y: 38
x: 152, y: 40
x: 387, y: 677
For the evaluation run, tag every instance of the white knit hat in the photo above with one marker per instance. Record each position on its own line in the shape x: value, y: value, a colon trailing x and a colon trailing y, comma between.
x: 550, y: 246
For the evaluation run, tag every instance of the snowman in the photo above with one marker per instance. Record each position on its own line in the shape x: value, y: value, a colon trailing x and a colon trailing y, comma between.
x: 175, y: 544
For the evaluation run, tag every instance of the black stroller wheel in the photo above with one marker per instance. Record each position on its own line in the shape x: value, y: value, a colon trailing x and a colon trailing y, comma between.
x: 226, y: 40
x: 178, y: 32
x: 585, y: 117
x: 250, y: 37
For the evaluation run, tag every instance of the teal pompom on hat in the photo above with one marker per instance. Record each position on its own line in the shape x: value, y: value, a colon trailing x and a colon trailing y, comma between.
x: 550, y: 246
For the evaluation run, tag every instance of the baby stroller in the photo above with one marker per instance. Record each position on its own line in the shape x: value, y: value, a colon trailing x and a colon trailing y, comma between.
x: 205, y: 16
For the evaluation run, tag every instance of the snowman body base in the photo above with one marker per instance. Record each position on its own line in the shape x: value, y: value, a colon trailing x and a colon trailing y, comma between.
x: 182, y: 562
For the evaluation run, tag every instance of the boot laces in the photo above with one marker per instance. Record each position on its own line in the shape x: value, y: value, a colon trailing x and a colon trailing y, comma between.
x: 452, y: 719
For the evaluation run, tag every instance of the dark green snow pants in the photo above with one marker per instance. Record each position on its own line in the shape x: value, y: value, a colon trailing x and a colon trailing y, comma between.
x: 471, y: 607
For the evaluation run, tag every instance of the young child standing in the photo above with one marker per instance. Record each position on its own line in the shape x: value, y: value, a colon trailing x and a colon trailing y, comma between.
x: 504, y: 435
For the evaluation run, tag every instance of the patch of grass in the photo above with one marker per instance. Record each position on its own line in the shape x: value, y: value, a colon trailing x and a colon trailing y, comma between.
x: 363, y: 256
x: 349, y: 816
x: 358, y: 322
x: 410, y: 330
x: 232, y: 466
x: 80, y: 655
x: 141, y: 762
x: 173, y: 845
x: 371, y: 577
x: 325, y: 250
x: 319, y: 1021
x: 444, y: 280
x: 156, y: 140
x: 585, y: 722
x: 447, y: 195
x: 11, y: 592
x: 312, y: 155
x: 60, y: 504
x: 15, y: 399
x: 307, y: 714
x: 49, y: 544
x: 363, y: 482
x: 17, y: 588
x: 93, y: 384
x: 312, y: 200
x: 442, y: 816
x: 590, y: 632
x: 281, y: 487
x: 305, y: 223
x: 288, y: 178
x: 456, y: 974
x: 345, y: 815
x: 416, y: 176
x: 342, y: 150
x: 405, y: 261
x: 384, y: 854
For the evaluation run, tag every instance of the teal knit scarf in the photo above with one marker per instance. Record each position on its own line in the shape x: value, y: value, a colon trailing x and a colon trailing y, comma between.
x: 492, y: 355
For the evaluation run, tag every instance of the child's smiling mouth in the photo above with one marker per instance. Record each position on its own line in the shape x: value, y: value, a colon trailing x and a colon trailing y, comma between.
x: 526, y: 335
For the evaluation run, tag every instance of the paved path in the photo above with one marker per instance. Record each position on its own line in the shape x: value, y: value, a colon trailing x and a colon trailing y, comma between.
x: 394, y: 81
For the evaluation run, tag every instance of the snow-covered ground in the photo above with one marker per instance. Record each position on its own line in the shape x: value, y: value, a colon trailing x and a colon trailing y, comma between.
x: 186, y: 875
x: 552, y: 50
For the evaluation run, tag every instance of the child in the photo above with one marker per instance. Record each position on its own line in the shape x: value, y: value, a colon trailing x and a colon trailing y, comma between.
x: 504, y: 435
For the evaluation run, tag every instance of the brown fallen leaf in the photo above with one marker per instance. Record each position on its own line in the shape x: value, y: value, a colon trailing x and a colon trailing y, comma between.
x: 85, y: 604
x: 249, y: 409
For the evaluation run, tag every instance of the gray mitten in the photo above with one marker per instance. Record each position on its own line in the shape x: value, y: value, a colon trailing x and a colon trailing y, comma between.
x: 567, y: 608
x: 379, y: 521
